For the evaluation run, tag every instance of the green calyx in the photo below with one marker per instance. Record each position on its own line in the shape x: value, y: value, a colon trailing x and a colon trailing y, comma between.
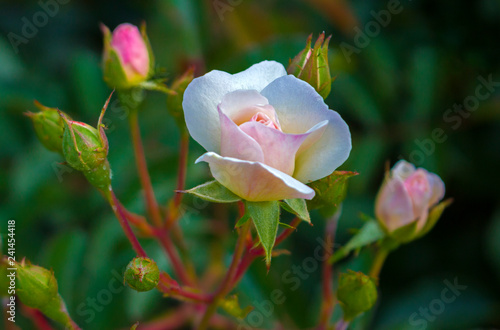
x: 311, y: 65
x: 142, y: 274
x: 357, y: 293
x: 49, y: 127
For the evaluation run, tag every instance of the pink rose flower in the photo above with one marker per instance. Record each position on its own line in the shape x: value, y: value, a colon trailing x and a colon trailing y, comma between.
x: 267, y: 133
x: 407, y: 195
x: 132, y: 52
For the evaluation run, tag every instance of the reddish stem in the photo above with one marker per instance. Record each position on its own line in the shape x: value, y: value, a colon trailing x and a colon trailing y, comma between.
x: 142, y: 169
x: 120, y: 213
x: 170, y: 287
x: 38, y: 319
x: 174, y: 256
x: 227, y: 284
x: 327, y: 304
x: 181, y: 178
x: 252, y: 254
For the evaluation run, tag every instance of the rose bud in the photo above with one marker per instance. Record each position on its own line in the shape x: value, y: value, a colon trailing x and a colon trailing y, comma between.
x: 36, y: 286
x: 49, y: 127
x: 408, y: 201
x: 311, y: 65
x: 142, y: 274
x: 127, y: 57
x: 357, y: 293
x: 85, y: 148
x: 267, y: 134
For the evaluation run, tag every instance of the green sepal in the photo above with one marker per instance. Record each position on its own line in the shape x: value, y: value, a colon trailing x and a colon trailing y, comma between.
x: 369, y: 233
x: 114, y: 75
x: 356, y: 293
x: 82, y: 145
x: 150, y: 49
x: 434, y: 215
x: 242, y: 220
x: 156, y: 85
x: 265, y: 216
x: 405, y: 233
x: 330, y: 192
x: 213, y: 191
x: 232, y: 306
x: 298, y: 207
x: 285, y: 225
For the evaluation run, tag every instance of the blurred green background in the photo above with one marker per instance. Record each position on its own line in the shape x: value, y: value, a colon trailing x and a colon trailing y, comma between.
x: 399, y: 86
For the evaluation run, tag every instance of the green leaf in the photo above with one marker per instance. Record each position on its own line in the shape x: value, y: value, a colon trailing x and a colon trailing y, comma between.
x: 298, y: 207
x: 330, y: 191
x: 213, y: 191
x: 434, y: 216
x: 242, y: 220
x: 368, y: 234
x: 265, y: 216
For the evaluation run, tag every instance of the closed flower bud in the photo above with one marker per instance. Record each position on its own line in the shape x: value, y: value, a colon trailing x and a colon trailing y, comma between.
x: 85, y: 147
x: 36, y: 286
x: 406, y: 200
x: 311, y: 65
x: 127, y: 58
x: 48, y: 126
x: 142, y: 274
x: 82, y: 146
x: 357, y: 293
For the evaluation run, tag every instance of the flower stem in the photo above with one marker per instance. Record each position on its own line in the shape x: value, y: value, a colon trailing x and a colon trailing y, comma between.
x: 121, y: 214
x: 171, y: 288
x: 250, y: 255
x: 378, y: 262
x: 174, y: 257
x: 142, y: 169
x: 181, y: 178
x: 227, y: 283
x: 328, y: 305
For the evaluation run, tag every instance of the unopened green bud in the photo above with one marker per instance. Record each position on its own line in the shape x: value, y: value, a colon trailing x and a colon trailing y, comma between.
x: 36, y: 286
x: 85, y: 147
x: 49, y: 126
x: 142, y: 274
x: 311, y: 65
x: 174, y: 101
x: 357, y: 293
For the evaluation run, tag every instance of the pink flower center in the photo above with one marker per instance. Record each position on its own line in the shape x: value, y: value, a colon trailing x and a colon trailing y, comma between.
x: 262, y: 118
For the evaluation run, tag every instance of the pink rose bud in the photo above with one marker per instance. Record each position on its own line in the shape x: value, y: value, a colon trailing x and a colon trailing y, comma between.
x: 408, y: 195
x: 127, y: 56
